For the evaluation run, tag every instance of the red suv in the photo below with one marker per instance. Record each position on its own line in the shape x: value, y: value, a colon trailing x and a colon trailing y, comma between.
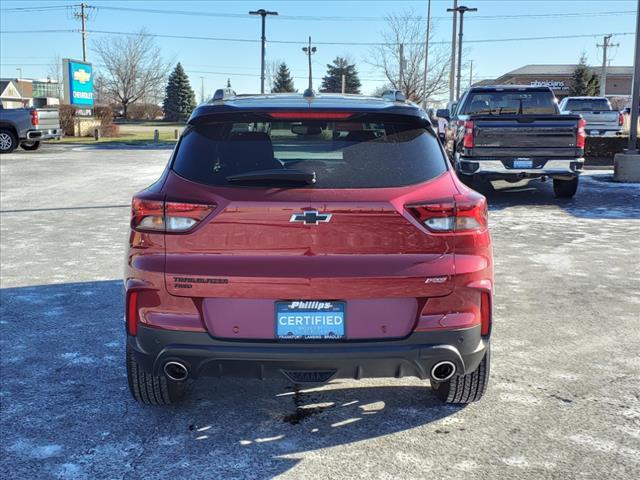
x: 308, y: 238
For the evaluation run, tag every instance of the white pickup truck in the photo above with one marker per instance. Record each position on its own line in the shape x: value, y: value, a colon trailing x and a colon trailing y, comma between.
x: 27, y: 127
x: 601, y: 118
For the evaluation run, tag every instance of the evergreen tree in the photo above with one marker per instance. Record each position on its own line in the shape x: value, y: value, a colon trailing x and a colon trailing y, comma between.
x: 179, y: 99
x: 332, y: 81
x: 282, y: 81
x: 584, y: 82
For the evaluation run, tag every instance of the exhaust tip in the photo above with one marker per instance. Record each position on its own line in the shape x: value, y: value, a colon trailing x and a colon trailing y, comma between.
x: 176, y: 371
x: 443, y: 371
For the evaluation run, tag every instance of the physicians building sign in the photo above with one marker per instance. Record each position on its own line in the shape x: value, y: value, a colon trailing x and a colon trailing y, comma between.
x: 78, y: 86
x: 552, y: 84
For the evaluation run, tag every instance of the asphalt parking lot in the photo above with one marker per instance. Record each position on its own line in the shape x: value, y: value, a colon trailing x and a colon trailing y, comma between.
x: 563, y: 402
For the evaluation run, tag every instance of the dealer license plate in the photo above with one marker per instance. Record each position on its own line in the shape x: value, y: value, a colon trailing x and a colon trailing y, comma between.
x: 310, y: 320
x: 522, y: 163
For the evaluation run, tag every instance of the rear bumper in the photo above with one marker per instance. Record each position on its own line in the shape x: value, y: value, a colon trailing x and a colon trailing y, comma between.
x: 499, y: 168
x: 44, y: 134
x: 204, y: 355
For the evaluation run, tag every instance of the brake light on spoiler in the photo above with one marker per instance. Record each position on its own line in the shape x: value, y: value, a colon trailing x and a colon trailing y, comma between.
x: 466, y: 213
x: 307, y: 115
x: 170, y: 217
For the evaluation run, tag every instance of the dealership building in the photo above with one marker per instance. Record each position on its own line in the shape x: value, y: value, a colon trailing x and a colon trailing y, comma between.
x: 558, y: 78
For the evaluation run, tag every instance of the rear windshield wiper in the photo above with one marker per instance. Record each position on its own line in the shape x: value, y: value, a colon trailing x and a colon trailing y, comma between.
x: 287, y: 175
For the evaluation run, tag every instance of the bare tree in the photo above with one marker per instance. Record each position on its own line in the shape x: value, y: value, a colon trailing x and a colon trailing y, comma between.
x: 134, y: 69
x: 54, y: 73
x: 403, y: 30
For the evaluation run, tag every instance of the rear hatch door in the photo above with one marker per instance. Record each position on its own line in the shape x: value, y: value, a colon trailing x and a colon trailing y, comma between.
x: 345, y: 238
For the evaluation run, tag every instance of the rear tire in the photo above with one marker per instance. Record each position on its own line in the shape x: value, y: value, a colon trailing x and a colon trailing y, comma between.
x: 565, y: 188
x: 30, y: 145
x: 8, y: 140
x: 151, y: 389
x: 467, y: 388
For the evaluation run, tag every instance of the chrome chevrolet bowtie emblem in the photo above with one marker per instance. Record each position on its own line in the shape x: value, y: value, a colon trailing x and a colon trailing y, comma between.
x: 311, y: 217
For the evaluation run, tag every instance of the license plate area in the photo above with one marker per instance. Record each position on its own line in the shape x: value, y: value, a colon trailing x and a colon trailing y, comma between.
x: 310, y: 320
x: 523, y: 163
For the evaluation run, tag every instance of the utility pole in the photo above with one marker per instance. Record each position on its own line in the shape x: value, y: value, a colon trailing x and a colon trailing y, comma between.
x: 401, y: 68
x: 308, y: 52
x: 452, y: 73
x: 461, y: 10
x: 344, y: 83
x: 627, y: 164
x: 83, y: 18
x: 263, y: 13
x: 426, y: 57
x: 603, y: 76
x: 201, y: 89
x: 19, y: 69
x: 635, y: 96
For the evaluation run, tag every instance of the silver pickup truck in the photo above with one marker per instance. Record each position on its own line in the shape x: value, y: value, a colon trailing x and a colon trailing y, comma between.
x: 602, y: 120
x: 27, y: 127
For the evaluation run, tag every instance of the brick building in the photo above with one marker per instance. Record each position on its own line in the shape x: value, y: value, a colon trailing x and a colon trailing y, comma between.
x: 558, y: 77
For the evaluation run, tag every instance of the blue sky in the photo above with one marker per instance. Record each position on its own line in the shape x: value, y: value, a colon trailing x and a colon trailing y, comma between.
x: 215, y: 60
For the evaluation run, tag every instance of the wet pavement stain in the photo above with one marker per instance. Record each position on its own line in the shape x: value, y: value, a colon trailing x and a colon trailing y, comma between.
x: 302, y: 412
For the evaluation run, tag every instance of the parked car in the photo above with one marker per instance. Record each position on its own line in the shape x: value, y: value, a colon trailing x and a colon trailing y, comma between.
x: 272, y: 248
x: 514, y: 133
x: 601, y: 118
x: 27, y: 127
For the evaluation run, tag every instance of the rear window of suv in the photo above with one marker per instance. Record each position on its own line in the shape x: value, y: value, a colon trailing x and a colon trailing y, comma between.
x: 366, y: 153
x: 587, y: 104
x: 509, y: 102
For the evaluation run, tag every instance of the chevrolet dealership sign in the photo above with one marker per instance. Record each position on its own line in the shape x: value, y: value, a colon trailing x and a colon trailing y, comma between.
x: 78, y: 83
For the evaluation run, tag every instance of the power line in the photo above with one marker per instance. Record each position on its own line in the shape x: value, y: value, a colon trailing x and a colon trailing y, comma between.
x: 417, y: 18
x: 302, y: 42
x: 37, y: 9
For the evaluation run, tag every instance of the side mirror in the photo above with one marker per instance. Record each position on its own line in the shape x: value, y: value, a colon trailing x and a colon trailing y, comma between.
x: 443, y: 113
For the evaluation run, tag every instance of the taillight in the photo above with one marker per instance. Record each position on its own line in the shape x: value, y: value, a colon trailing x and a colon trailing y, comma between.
x: 581, y: 135
x: 132, y: 313
x: 170, y: 217
x: 485, y: 313
x: 468, y: 134
x: 620, y: 119
x: 34, y: 117
x: 466, y: 213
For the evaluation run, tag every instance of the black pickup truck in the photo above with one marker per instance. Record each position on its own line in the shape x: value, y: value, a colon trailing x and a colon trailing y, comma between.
x: 513, y: 133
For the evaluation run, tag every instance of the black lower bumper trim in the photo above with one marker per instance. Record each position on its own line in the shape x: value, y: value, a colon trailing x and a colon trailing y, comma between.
x: 204, y: 355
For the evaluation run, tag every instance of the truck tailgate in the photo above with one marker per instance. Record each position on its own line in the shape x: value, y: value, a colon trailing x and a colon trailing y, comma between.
x: 525, y: 135
x: 605, y: 119
x: 48, y: 118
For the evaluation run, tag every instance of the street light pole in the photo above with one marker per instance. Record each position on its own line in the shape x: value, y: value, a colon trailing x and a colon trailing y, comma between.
x: 263, y: 13
x: 309, y: 51
x: 426, y: 57
x: 461, y: 10
x: 452, y: 74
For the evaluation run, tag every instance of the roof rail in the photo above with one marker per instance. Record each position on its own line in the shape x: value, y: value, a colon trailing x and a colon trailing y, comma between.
x: 223, y: 94
x: 394, y: 95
